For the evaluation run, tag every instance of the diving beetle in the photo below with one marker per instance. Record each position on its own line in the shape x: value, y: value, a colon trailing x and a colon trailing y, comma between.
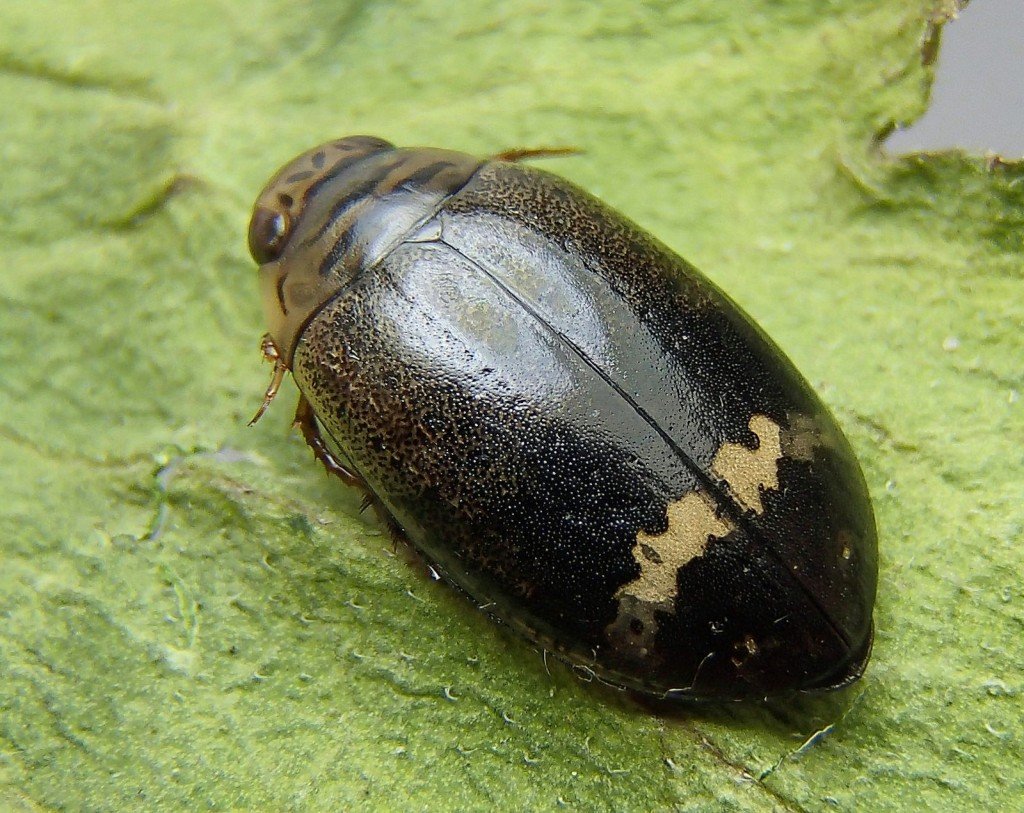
x: 567, y: 420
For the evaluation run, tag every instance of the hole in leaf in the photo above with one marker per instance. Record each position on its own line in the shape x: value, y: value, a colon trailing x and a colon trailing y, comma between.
x: 977, y: 100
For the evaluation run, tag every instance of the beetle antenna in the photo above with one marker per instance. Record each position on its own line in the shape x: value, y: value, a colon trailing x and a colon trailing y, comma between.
x: 523, y: 154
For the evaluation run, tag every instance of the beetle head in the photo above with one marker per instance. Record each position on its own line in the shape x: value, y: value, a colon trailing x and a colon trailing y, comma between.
x: 292, y: 290
x: 337, y: 210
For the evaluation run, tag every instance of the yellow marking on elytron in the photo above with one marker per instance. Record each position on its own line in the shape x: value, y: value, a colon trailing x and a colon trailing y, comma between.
x: 691, y: 522
x: 749, y: 470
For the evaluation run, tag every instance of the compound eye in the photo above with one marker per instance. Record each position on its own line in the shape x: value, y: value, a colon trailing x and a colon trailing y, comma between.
x: 268, y: 234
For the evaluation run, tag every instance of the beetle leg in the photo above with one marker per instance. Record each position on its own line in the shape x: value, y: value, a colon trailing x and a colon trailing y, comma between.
x: 305, y: 420
x: 537, y: 152
x: 398, y: 537
x: 270, y: 353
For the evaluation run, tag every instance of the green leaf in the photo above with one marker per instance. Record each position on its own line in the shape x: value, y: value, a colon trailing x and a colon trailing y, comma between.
x: 196, y: 618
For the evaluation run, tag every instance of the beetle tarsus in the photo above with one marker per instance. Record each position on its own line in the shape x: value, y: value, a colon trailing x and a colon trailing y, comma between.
x: 270, y: 353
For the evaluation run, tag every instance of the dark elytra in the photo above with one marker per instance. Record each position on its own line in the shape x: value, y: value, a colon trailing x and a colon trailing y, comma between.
x: 567, y: 420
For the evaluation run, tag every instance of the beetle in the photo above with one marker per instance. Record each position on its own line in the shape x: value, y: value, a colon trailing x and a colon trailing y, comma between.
x: 569, y: 422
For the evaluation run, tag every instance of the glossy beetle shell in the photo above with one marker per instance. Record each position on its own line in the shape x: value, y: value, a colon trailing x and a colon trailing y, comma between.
x: 569, y: 421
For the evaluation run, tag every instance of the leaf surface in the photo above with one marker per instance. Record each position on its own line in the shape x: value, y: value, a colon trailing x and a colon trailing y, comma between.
x: 196, y: 618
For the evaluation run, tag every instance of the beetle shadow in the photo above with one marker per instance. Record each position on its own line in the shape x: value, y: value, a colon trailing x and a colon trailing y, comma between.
x: 793, y: 718
x: 808, y: 715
